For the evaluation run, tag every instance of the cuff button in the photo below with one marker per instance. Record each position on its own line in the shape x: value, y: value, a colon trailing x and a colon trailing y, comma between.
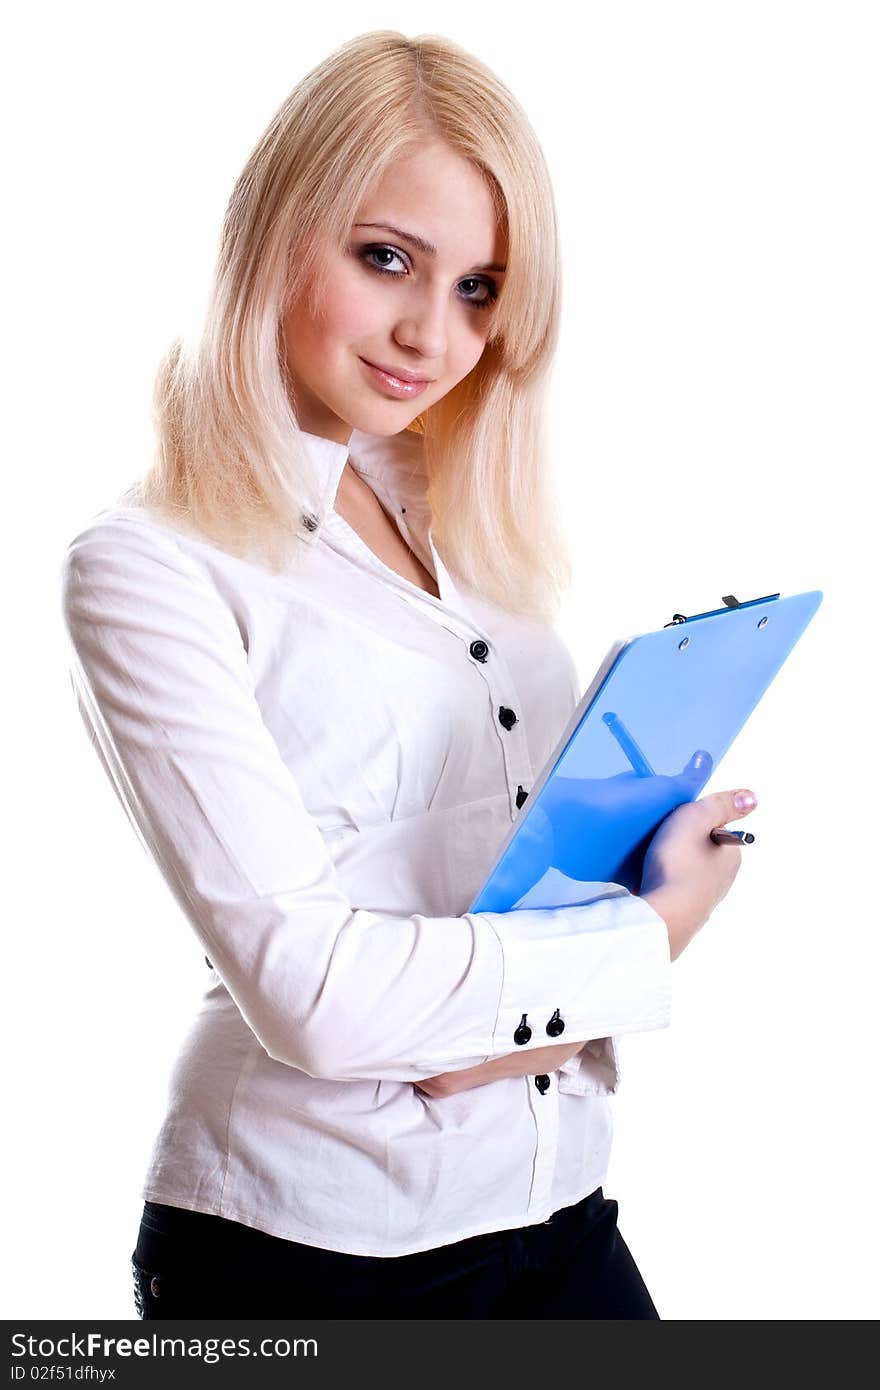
x: 523, y: 1032
x: 555, y: 1025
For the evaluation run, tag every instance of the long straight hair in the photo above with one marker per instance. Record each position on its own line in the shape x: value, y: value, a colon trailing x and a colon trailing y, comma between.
x: 230, y: 463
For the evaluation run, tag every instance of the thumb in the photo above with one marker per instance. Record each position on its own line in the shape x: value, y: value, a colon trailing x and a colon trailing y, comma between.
x: 724, y: 806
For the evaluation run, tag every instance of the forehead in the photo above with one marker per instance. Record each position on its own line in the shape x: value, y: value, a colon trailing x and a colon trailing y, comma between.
x: 441, y: 197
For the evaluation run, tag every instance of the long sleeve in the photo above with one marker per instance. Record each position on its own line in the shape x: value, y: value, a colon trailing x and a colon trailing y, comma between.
x: 160, y: 668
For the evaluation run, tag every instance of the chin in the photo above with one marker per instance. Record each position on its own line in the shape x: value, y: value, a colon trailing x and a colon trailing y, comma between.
x: 388, y: 433
x: 385, y: 425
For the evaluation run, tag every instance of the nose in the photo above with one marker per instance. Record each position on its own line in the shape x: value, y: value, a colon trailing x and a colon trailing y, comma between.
x: 423, y: 327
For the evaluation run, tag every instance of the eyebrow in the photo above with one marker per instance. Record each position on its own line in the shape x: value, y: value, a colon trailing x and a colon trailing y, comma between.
x: 419, y: 243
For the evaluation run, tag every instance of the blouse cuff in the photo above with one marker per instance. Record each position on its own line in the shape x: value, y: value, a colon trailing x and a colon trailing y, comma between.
x: 608, y: 973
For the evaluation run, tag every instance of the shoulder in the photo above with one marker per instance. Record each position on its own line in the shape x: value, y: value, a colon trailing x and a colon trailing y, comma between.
x: 124, y: 520
x: 126, y: 551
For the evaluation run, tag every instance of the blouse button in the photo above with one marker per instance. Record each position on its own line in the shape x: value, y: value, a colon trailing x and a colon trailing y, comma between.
x: 542, y: 1083
x: 479, y: 650
x: 520, y: 797
x: 523, y: 1032
x: 556, y: 1025
x: 506, y: 717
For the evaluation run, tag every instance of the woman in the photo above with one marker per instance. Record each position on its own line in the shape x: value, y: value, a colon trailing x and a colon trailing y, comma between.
x: 313, y: 647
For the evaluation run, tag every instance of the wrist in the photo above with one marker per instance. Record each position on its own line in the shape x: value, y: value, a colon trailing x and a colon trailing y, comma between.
x: 667, y: 903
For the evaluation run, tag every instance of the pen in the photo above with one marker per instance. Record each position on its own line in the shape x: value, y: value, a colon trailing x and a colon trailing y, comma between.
x: 632, y: 750
x: 732, y: 837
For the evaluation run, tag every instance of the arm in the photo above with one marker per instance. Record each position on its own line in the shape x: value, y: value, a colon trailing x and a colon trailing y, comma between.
x: 683, y: 878
x: 532, y: 1063
x: 161, y: 674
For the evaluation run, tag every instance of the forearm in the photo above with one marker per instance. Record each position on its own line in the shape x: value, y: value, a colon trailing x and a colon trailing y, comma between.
x: 532, y: 1063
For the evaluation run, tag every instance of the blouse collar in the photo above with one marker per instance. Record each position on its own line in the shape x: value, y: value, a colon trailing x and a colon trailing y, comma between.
x: 393, y: 464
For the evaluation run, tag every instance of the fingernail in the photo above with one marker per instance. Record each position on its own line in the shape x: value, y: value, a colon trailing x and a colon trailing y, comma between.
x: 745, y: 801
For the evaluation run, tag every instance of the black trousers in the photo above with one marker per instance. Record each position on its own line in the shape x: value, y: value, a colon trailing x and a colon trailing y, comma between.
x: 188, y: 1264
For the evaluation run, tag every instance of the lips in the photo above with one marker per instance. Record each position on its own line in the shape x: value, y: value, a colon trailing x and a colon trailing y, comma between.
x: 394, y: 387
x: 400, y: 373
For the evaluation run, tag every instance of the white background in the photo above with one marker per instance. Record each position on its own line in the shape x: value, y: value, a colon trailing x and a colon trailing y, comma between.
x: 715, y: 420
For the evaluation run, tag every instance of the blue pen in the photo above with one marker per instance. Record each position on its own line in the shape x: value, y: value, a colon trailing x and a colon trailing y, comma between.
x: 643, y: 768
x: 628, y: 744
x: 732, y: 837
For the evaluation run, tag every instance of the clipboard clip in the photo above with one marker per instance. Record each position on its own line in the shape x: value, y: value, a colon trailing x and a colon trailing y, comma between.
x: 729, y: 602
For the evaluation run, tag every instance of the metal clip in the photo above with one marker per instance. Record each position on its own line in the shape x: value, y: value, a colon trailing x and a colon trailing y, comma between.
x: 729, y: 602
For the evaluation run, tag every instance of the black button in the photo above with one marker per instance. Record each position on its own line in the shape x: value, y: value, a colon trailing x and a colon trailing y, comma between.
x: 506, y: 717
x: 555, y: 1025
x: 208, y: 963
x: 523, y: 1032
x: 542, y: 1083
x: 479, y: 650
x: 520, y: 797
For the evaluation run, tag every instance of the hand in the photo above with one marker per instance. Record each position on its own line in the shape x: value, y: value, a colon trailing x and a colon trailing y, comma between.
x: 536, y: 1062
x: 685, y: 874
x: 580, y: 819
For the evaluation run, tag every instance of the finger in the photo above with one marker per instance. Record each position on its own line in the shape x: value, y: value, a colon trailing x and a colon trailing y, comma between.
x: 700, y: 762
x: 721, y: 807
x: 696, y: 773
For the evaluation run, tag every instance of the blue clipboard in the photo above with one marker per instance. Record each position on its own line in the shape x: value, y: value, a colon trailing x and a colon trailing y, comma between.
x: 661, y: 712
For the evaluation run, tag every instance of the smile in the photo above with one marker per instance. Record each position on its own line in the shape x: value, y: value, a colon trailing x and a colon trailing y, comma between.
x: 394, y: 386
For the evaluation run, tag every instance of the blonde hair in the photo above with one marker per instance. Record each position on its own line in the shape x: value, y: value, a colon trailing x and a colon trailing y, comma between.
x: 230, y: 462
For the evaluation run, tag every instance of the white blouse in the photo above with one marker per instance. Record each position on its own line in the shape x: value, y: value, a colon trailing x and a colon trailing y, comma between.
x: 323, y: 765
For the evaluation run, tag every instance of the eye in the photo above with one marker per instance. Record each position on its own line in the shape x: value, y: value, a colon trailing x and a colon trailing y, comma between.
x: 489, y: 286
x: 368, y: 251
x: 491, y: 292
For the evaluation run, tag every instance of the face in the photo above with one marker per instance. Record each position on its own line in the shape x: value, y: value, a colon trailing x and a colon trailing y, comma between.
x: 397, y: 305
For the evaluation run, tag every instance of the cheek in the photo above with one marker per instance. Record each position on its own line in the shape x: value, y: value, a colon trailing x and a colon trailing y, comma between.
x: 469, y: 344
x: 347, y: 313
x: 352, y: 310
